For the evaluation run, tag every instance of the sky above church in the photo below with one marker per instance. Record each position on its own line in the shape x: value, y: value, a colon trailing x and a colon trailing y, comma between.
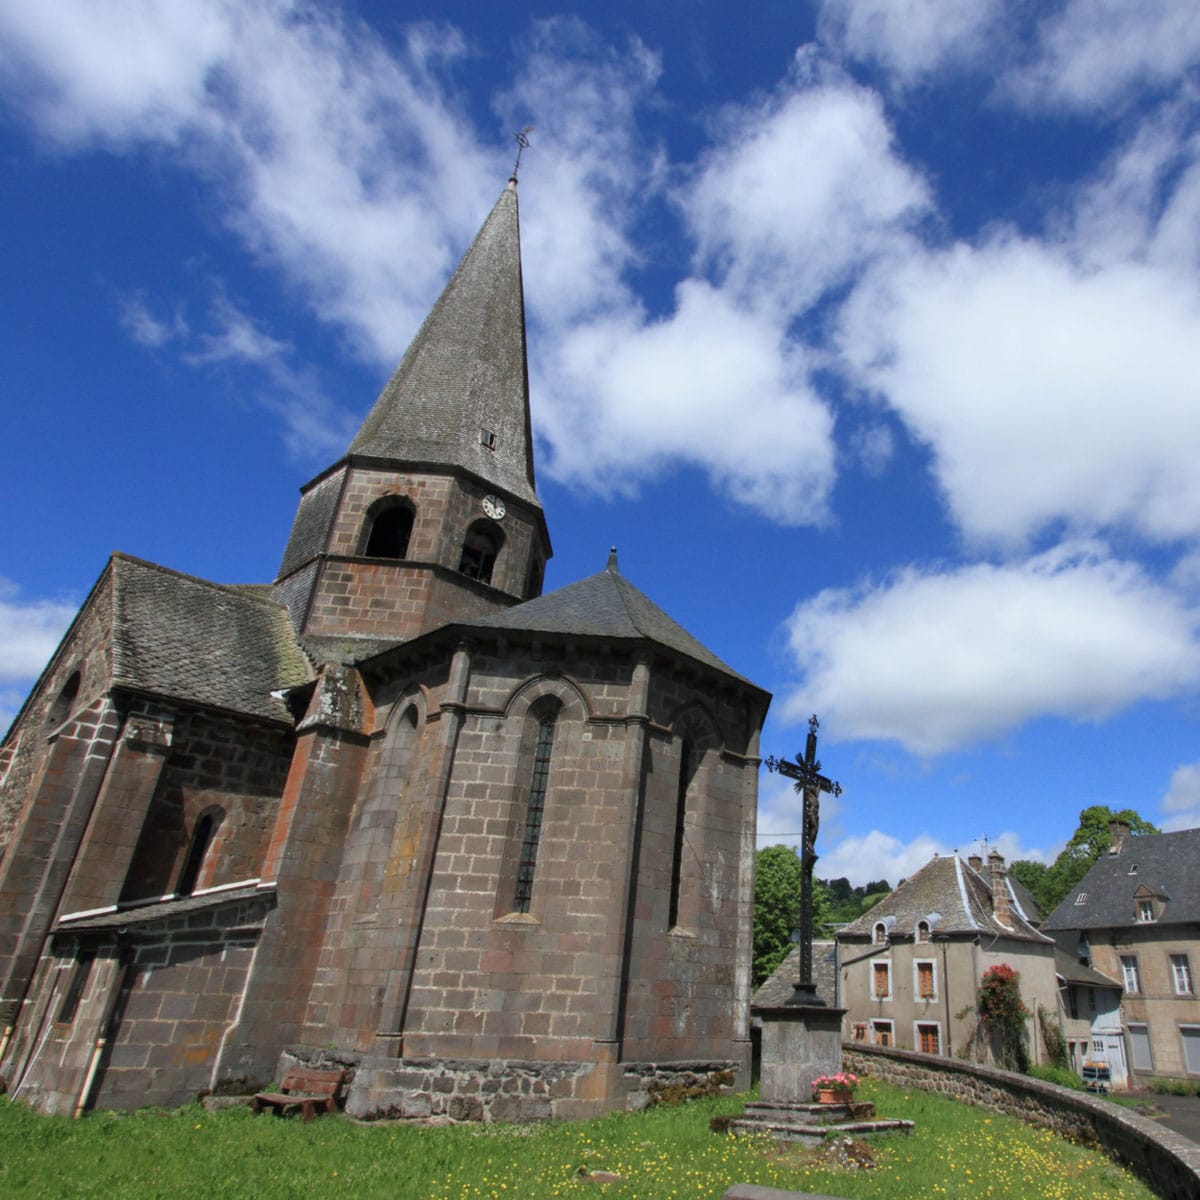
x: 867, y: 330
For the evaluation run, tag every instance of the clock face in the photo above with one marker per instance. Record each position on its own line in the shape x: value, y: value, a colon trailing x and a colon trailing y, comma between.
x: 494, y: 507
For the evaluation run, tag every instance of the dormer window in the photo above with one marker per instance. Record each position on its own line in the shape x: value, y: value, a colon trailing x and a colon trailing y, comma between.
x: 487, y: 439
x: 1145, y: 910
x: 880, y: 934
x: 922, y: 931
x: 1081, y: 899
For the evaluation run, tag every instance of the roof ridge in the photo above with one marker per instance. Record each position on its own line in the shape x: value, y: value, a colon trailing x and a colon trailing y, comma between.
x: 240, y: 590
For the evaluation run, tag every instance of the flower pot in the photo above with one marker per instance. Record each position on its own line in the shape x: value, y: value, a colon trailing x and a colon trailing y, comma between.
x: 833, y: 1096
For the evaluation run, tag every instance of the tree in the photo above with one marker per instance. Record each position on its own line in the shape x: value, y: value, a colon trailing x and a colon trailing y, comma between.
x: 777, y: 885
x: 1050, y: 885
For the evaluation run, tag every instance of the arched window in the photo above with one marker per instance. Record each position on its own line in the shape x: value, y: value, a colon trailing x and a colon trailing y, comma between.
x: 202, y: 837
x: 60, y: 710
x: 480, y: 548
x: 539, y: 775
x: 880, y: 936
x: 922, y: 931
x: 390, y: 528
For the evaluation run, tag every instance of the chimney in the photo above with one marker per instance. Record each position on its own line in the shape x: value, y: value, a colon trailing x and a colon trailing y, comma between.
x: 1001, y: 903
x: 975, y: 862
x: 1118, y: 831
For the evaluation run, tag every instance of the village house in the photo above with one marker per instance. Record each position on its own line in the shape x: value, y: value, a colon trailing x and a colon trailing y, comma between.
x: 1135, y: 917
x: 910, y: 968
x: 489, y: 850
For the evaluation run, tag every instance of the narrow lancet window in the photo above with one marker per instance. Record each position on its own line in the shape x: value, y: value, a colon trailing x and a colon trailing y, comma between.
x: 533, y: 813
x: 685, y: 778
x: 201, y: 839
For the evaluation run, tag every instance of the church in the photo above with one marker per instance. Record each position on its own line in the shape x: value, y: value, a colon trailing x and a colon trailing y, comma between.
x: 488, y: 850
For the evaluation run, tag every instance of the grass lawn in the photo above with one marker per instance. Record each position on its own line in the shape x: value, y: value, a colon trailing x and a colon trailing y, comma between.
x: 955, y: 1151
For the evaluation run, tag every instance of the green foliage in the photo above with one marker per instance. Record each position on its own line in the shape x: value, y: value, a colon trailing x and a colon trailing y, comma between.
x: 777, y: 884
x: 1174, y: 1087
x: 1004, y: 1014
x: 1053, y: 1040
x: 955, y: 1150
x: 1063, y: 1076
x: 848, y: 903
x: 1051, y: 885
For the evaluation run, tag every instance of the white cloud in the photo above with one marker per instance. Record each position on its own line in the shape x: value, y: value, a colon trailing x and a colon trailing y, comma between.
x: 30, y: 631
x: 1047, y: 391
x: 799, y: 192
x: 938, y: 660
x: 910, y: 39
x: 878, y: 855
x: 1094, y: 53
x: 1181, y: 804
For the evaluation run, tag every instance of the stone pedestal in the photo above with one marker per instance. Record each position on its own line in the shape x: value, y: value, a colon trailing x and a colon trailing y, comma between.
x: 799, y: 1042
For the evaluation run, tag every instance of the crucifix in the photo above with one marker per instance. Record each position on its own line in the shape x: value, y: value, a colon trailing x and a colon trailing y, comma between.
x: 810, y: 783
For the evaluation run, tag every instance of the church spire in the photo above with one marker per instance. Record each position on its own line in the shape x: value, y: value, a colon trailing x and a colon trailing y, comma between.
x: 460, y: 396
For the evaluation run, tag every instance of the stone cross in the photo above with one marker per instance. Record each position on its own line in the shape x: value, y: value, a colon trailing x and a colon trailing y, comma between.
x: 810, y: 783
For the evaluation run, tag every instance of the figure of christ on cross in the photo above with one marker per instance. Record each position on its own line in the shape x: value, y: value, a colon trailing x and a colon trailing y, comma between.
x: 810, y: 783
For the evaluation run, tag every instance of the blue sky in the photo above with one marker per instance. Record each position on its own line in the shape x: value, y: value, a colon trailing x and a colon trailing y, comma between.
x: 868, y: 331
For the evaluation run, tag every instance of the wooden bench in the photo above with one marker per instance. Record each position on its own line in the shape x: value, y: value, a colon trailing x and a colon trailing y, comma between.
x: 310, y: 1090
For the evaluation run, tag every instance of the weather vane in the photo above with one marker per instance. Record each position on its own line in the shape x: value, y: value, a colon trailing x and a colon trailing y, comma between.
x: 522, y: 140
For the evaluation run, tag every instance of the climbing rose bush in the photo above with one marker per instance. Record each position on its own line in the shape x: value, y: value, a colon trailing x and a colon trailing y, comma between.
x: 1004, y: 1012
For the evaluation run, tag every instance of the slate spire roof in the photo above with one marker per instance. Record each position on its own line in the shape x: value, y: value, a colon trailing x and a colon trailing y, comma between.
x: 460, y: 396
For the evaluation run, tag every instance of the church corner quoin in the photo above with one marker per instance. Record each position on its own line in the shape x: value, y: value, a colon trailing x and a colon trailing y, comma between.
x: 491, y: 850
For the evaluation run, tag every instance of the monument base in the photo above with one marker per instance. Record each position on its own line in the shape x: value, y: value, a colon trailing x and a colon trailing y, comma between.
x: 799, y: 1042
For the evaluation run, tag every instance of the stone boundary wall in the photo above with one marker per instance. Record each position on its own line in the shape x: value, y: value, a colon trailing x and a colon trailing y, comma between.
x: 1166, y: 1162
x: 455, y: 1090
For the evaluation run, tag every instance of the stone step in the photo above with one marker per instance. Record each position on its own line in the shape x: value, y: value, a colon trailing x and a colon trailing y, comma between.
x: 800, y: 1130
x: 853, y: 1110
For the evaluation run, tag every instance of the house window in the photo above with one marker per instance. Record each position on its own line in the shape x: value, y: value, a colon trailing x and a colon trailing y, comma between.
x: 487, y: 438
x: 1139, y: 1047
x: 881, y: 1033
x: 922, y: 931
x: 924, y: 979
x: 1129, y: 972
x: 481, y: 546
x: 1081, y: 898
x: 860, y: 1031
x: 390, y: 529
x: 1190, y: 1036
x: 534, y: 811
x: 880, y: 933
x: 881, y: 981
x: 1145, y: 910
x: 1181, y: 974
x: 928, y: 1037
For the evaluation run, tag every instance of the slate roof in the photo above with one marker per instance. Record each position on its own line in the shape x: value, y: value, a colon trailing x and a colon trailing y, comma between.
x: 778, y: 988
x: 604, y: 605
x: 184, y: 638
x: 1168, y: 864
x: 952, y: 896
x: 1068, y: 966
x: 466, y: 370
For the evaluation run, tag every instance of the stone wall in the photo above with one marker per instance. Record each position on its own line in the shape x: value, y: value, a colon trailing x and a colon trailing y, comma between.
x: 1166, y: 1162
x: 513, y: 1090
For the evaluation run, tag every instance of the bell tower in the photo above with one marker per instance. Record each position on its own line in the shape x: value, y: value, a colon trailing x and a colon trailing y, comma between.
x: 432, y: 516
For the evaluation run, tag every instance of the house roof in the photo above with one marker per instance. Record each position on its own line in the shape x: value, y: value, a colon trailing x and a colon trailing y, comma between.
x: 1164, y: 864
x: 465, y: 371
x: 184, y: 638
x: 953, y: 897
x: 777, y: 990
x: 1068, y: 966
x: 604, y: 605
